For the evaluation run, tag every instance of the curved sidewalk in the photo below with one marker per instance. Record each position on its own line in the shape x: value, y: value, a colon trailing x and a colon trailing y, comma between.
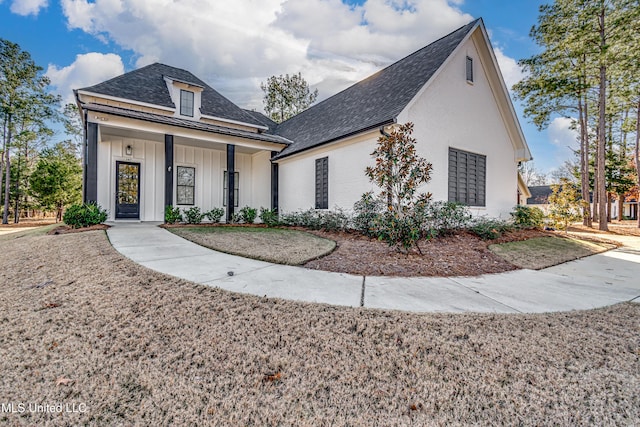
x: 595, y: 281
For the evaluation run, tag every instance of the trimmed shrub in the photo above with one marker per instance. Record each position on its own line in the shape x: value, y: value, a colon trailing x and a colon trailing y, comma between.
x: 489, y: 228
x: 527, y: 217
x: 269, y: 217
x: 193, y: 215
x: 446, y: 217
x: 215, y: 214
x: 401, y: 232
x: 248, y: 215
x: 335, y: 220
x: 318, y: 220
x: 366, y: 212
x: 172, y: 215
x: 84, y: 215
x: 236, y: 218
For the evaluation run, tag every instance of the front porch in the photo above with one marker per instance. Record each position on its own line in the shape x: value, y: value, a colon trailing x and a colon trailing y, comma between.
x: 135, y: 169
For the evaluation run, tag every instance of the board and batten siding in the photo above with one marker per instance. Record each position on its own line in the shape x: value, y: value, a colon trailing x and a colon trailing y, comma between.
x: 254, y: 171
x: 150, y: 155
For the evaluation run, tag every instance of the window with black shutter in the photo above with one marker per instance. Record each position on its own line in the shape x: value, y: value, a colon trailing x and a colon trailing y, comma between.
x: 469, y: 69
x: 467, y: 177
x: 322, y: 183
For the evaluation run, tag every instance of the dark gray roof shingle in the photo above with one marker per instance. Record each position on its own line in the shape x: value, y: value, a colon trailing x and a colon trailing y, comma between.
x: 147, y: 85
x: 375, y: 101
x: 261, y: 118
x: 539, y: 194
x: 185, y: 123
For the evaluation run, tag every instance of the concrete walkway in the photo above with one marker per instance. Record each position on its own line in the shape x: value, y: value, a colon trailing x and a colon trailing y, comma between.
x: 591, y: 282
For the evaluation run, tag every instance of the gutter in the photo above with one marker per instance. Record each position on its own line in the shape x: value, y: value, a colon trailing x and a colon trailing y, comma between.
x: 380, y: 126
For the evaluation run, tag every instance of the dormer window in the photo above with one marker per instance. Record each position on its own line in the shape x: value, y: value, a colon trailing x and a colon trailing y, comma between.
x: 469, y: 69
x: 186, y: 103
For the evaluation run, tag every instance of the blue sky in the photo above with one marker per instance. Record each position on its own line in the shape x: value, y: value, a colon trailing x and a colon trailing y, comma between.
x: 236, y: 45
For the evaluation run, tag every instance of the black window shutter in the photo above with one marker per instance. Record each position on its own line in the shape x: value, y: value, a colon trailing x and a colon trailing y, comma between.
x: 469, y: 69
x: 467, y: 177
x: 322, y: 183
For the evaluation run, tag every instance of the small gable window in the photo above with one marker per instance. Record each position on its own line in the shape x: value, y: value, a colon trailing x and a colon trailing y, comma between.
x: 469, y: 69
x: 186, y: 103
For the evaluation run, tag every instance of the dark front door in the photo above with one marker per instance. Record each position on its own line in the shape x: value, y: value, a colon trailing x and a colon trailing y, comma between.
x: 127, y: 190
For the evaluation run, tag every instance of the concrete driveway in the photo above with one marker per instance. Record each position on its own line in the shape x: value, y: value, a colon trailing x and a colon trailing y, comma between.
x: 594, y: 281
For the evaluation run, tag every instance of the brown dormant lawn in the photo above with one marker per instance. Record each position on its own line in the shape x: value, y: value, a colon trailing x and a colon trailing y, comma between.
x: 543, y: 252
x: 83, y: 326
x: 277, y: 245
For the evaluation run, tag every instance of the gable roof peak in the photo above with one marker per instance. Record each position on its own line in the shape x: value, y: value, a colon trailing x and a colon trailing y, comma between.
x: 147, y: 84
x: 377, y: 100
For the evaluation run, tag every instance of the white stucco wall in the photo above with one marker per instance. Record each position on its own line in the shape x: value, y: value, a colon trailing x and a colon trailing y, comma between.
x: 449, y: 113
x: 457, y: 114
x: 347, y: 181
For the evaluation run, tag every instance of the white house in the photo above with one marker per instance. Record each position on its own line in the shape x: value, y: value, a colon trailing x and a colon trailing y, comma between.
x: 159, y: 136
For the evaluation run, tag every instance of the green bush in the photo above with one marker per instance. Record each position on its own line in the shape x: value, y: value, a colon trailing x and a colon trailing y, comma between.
x: 313, y: 219
x: 248, y: 214
x: 193, y: 215
x: 172, y: 215
x: 215, y: 214
x: 401, y: 232
x: 489, y: 228
x: 527, y: 217
x: 269, y: 217
x: 366, y: 212
x: 446, y: 217
x: 84, y: 215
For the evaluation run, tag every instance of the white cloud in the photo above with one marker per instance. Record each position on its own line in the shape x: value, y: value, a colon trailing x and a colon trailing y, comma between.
x: 28, y: 7
x: 235, y: 45
x: 88, y: 69
x: 563, y: 138
x: 511, y: 71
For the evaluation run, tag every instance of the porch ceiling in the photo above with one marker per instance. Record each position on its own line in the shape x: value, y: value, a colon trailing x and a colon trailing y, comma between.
x: 108, y: 131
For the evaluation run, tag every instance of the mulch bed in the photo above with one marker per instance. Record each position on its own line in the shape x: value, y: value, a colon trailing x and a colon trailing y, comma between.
x: 462, y: 254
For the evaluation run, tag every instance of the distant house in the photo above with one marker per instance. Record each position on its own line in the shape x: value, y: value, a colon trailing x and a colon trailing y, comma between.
x: 540, y: 197
x: 160, y: 136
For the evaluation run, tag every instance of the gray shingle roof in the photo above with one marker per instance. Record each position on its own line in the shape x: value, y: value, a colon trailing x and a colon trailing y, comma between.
x: 261, y: 118
x: 375, y: 101
x: 147, y: 84
x: 185, y: 123
x: 539, y: 194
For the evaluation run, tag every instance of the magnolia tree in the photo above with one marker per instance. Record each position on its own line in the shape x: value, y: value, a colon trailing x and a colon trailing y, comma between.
x: 399, y: 171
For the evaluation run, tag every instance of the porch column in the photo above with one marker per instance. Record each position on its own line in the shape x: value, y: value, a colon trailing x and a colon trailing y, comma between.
x: 274, y: 183
x: 231, y: 162
x: 90, y: 189
x: 168, y: 170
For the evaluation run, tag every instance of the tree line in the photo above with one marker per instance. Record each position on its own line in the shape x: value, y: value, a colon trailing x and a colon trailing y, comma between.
x: 37, y: 173
x: 589, y: 70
